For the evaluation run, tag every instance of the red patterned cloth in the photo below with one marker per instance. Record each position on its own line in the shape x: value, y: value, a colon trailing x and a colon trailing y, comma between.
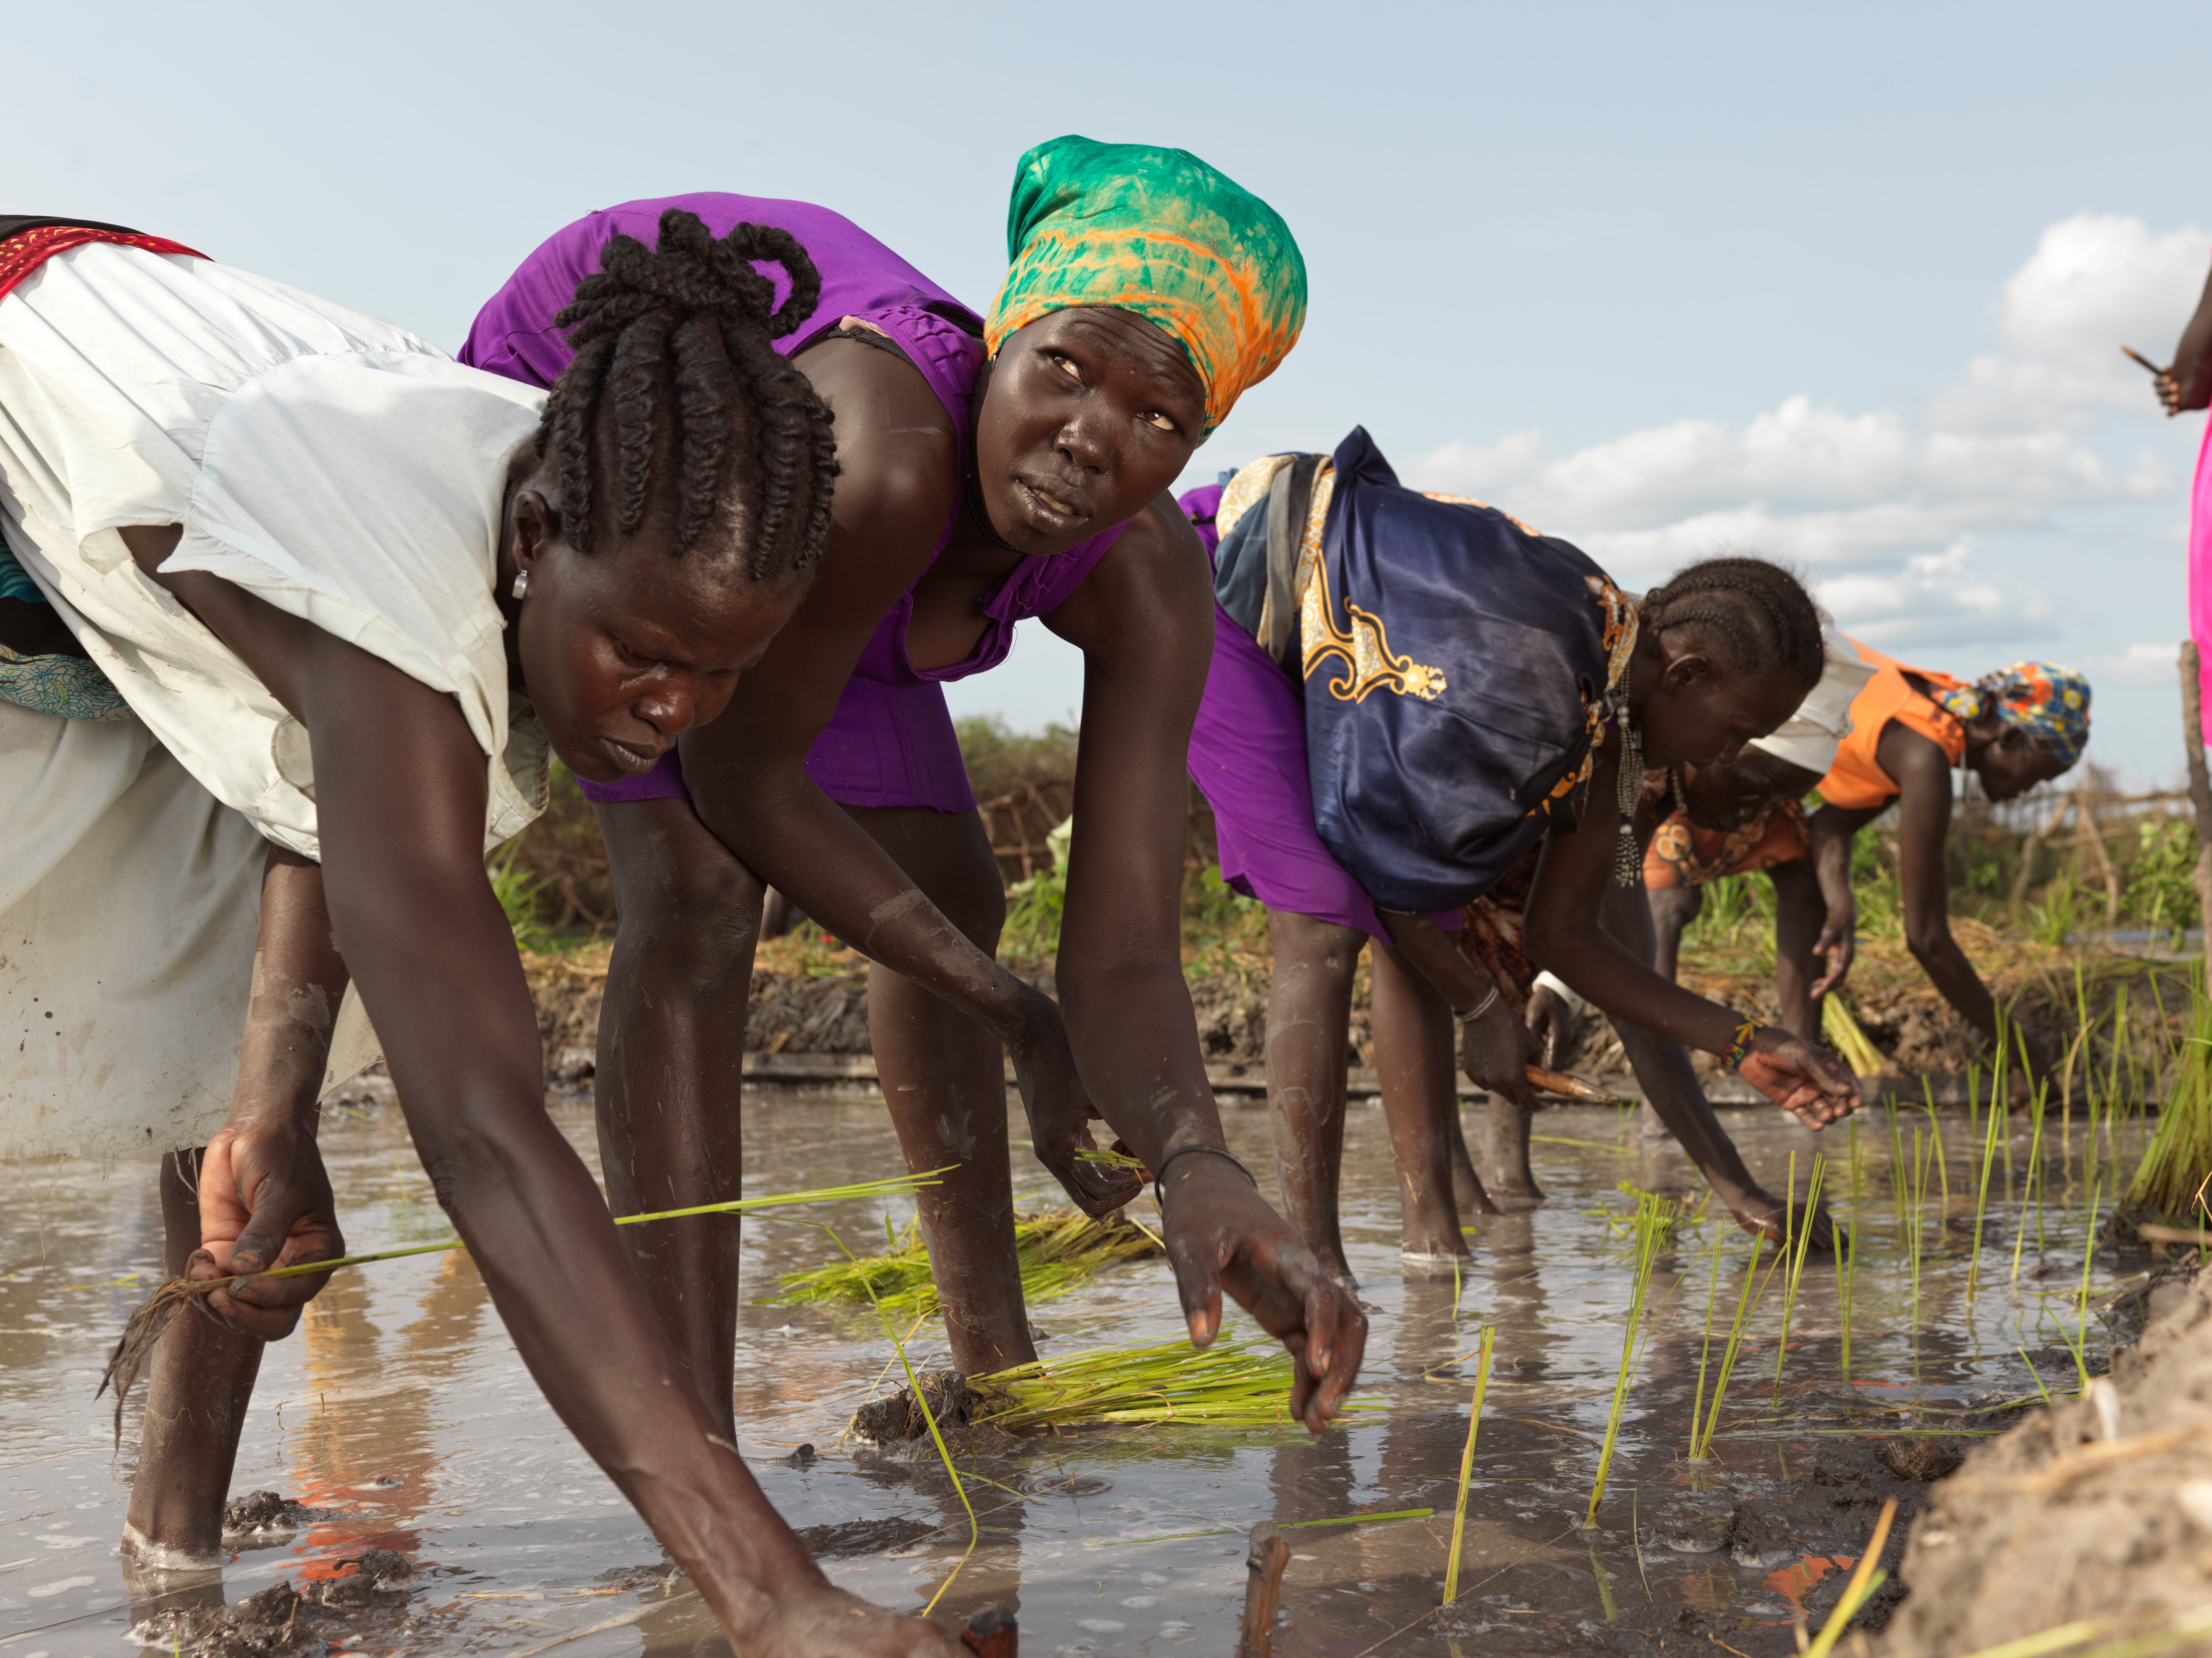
x: 26, y: 251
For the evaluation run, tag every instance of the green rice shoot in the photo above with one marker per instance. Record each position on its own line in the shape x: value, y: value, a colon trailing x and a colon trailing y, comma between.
x: 1467, y: 1464
x: 1701, y: 1433
x: 2171, y: 1178
x: 1057, y: 1250
x: 1653, y: 1224
x: 1231, y: 1384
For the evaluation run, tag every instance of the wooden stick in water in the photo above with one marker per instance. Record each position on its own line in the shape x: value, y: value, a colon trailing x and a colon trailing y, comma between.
x: 1263, y: 1583
x: 1571, y: 1087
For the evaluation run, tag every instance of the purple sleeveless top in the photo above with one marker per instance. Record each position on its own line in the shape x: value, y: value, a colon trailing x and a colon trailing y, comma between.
x: 891, y: 742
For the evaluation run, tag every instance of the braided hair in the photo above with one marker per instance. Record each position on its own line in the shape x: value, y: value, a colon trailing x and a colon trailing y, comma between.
x: 674, y: 341
x: 1761, y: 613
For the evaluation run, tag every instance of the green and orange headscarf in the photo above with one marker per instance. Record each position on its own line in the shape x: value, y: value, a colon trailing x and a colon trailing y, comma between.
x: 1159, y: 232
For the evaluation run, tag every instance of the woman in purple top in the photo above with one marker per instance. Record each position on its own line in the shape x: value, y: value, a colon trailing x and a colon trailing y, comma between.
x: 988, y: 473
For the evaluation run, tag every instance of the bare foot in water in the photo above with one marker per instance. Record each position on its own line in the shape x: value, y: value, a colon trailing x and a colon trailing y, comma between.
x: 1512, y: 1182
x: 1468, y: 1196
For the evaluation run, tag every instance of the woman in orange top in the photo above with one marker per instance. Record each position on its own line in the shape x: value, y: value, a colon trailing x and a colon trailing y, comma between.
x: 2023, y: 725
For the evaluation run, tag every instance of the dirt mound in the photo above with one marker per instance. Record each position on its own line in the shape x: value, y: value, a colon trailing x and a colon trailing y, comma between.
x: 2099, y: 1508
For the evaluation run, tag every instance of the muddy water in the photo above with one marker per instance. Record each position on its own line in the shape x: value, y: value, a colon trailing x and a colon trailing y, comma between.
x: 400, y: 1412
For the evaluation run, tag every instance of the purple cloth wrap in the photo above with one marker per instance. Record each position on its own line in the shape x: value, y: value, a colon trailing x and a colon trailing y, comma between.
x: 1200, y: 506
x: 891, y: 742
x: 1248, y: 757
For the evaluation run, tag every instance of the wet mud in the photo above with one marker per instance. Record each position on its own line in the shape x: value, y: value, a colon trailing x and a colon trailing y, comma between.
x: 2097, y: 1510
x: 398, y: 1420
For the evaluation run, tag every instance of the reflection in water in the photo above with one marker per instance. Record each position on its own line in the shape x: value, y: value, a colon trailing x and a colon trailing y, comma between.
x: 400, y: 1409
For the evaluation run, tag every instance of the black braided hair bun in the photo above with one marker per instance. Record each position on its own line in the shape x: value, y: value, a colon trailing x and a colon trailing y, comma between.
x: 677, y: 391
x: 1758, y: 612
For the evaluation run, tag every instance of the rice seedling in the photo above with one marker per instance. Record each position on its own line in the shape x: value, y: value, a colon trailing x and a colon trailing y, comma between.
x: 1705, y: 1346
x: 2034, y: 1183
x: 1057, y: 1250
x: 1231, y: 1384
x: 1701, y: 1433
x: 1467, y: 1465
x: 1866, y: 1578
x: 1653, y: 1222
x: 1848, y: 1280
x: 1797, y: 1245
x: 1912, y: 1234
x: 936, y: 1434
x: 1281, y: 1525
x: 1897, y: 1163
x: 143, y: 1329
x: 2080, y: 1342
x: 2179, y: 1156
x: 1997, y: 1116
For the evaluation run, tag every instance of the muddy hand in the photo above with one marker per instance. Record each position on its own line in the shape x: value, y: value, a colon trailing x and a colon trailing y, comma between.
x: 1766, y: 1216
x: 1496, y: 1050
x: 1810, y: 1083
x: 1222, y: 1235
x: 1060, y: 1114
x: 821, y: 1621
x: 1549, y: 1021
x: 1837, y: 944
x: 264, y: 1202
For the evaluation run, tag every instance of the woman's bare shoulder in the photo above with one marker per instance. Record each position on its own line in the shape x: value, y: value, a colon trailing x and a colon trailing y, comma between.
x: 898, y: 450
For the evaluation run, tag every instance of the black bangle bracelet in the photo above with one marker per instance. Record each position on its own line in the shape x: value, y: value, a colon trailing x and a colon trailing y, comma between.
x: 1159, y: 1192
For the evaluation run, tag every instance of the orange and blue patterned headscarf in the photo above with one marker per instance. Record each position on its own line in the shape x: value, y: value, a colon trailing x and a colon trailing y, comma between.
x: 2048, y: 702
x: 1159, y: 232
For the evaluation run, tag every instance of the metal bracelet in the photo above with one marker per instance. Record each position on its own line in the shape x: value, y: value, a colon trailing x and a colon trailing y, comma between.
x: 1479, y: 1008
x: 1159, y: 1192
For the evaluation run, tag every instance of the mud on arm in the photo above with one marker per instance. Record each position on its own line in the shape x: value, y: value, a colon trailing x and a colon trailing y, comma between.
x: 401, y: 796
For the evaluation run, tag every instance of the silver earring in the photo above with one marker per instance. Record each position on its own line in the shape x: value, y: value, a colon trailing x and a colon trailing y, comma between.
x: 1628, y: 867
x: 521, y: 583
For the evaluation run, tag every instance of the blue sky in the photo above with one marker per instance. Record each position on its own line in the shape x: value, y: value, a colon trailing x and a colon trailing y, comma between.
x: 1843, y: 284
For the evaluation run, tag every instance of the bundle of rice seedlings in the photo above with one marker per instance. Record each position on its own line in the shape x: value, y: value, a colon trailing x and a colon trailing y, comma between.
x: 1057, y: 1250
x: 1231, y: 1384
x: 1846, y: 1036
x: 2176, y: 1164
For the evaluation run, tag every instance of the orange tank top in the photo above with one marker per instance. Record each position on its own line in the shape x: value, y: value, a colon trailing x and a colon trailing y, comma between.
x: 1857, y: 780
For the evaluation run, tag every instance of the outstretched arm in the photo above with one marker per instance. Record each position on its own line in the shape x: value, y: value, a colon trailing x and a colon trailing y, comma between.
x: 1923, y: 773
x: 1832, y: 830
x: 746, y: 771
x: 264, y: 1199
x: 400, y: 796
x: 1566, y: 934
x: 1145, y: 620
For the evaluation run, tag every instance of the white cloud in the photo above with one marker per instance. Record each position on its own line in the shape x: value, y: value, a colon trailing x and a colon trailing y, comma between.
x: 2153, y: 662
x: 1881, y: 507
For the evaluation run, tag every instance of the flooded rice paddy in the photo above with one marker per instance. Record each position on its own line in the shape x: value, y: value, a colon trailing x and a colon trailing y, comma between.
x: 400, y: 1413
